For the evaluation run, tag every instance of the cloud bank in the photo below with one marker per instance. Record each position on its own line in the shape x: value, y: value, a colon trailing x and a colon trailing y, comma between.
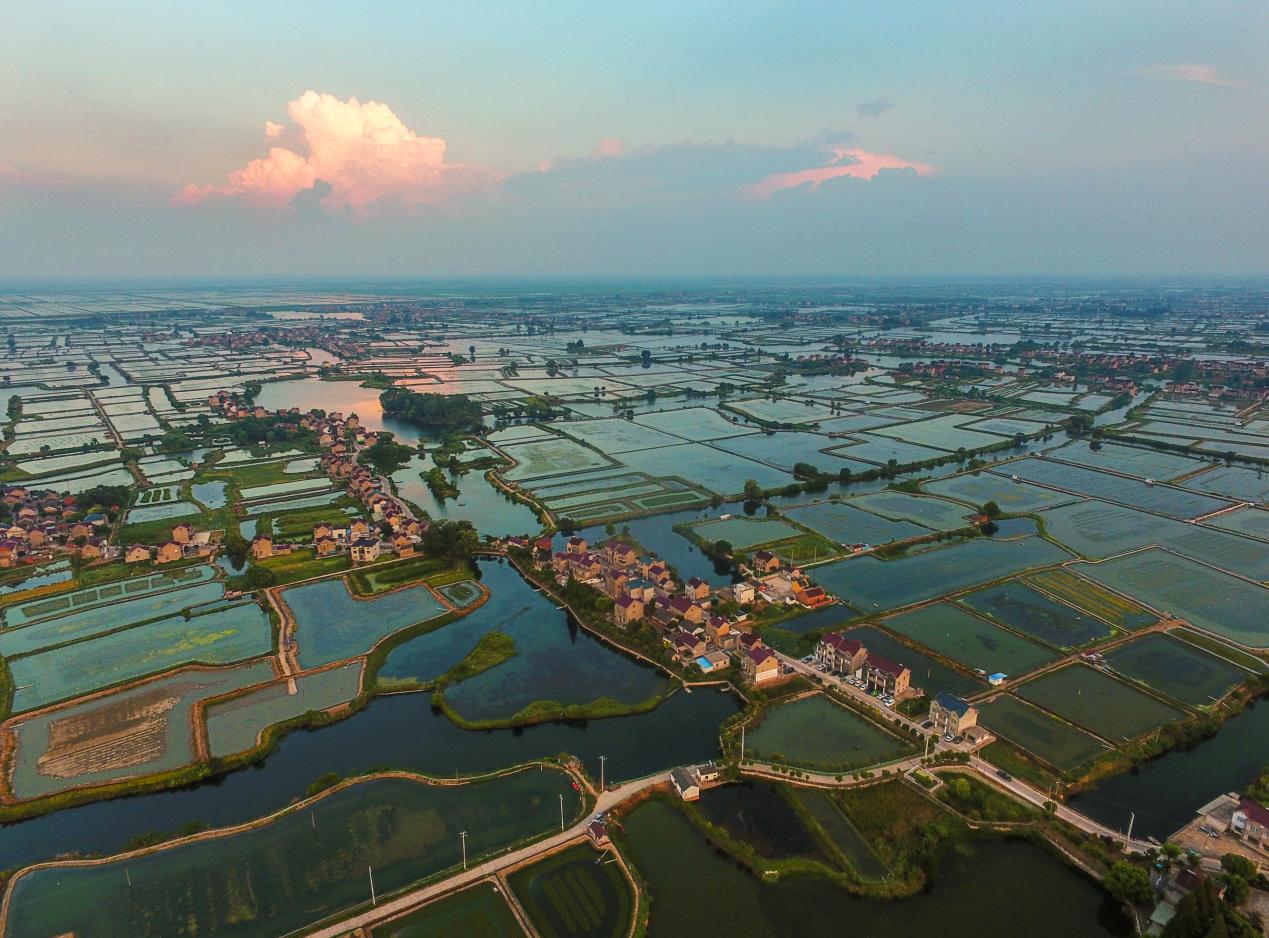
x: 845, y: 162
x: 1194, y: 72
x: 365, y: 156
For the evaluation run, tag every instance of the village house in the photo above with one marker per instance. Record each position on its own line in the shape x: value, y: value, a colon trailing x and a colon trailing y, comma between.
x: 696, y: 589
x: 627, y: 609
x: 760, y: 665
x: 685, y: 784
x: 766, y: 562
x: 170, y: 552
x: 137, y: 553
x: 841, y: 655
x: 713, y: 661
x: 720, y: 632
x: 576, y: 544
x: 92, y: 549
x: 811, y: 597
x: 744, y: 593
x: 619, y: 554
x: 1250, y: 824
x: 403, y: 545
x: 951, y: 715
x: 364, y: 549
x: 325, y: 546
x: 183, y: 533
x: 688, y: 645
x: 886, y: 676
x: 261, y: 546
x: 686, y: 609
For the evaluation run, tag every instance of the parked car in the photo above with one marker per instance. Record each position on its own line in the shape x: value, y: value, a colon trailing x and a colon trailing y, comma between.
x: 928, y: 724
x: 1005, y: 775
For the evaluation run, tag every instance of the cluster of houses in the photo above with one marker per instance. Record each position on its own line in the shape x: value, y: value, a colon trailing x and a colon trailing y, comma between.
x: 848, y: 657
x: 643, y: 590
x: 186, y: 541
x: 45, y: 524
x: 341, y: 438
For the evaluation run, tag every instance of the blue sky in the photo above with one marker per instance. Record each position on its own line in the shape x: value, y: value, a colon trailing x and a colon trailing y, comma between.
x: 227, y: 139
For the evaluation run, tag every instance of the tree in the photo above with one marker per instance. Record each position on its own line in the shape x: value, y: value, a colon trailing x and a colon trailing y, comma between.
x: 1237, y: 890
x: 386, y: 456
x: 1128, y: 883
x: 450, y: 412
x: 258, y: 577
x: 752, y: 491
x: 991, y: 509
x: 1239, y: 866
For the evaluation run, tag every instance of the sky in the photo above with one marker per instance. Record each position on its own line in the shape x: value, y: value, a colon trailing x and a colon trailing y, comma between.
x: 303, y: 138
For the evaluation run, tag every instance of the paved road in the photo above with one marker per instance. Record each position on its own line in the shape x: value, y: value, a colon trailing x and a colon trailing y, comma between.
x: 1024, y: 791
x: 607, y: 801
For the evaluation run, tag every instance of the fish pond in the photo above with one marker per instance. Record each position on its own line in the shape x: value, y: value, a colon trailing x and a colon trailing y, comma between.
x: 297, y: 869
x: 992, y: 889
x: 575, y: 894
x: 816, y: 733
x: 330, y: 624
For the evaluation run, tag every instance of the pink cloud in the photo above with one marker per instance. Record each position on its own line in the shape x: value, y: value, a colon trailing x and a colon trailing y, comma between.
x: 361, y: 150
x: 609, y: 146
x: 852, y: 162
x: 1194, y: 72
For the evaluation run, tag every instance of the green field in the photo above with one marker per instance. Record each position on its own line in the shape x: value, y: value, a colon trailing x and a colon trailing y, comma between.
x: 1089, y: 698
x: 969, y: 639
x: 1061, y: 745
x: 105, y: 593
x: 1175, y: 668
x: 840, y: 832
x: 815, y: 732
x: 576, y: 893
x: 479, y: 911
x: 1217, y: 602
x: 1026, y: 610
x: 743, y: 533
x: 1093, y: 599
x: 296, y: 870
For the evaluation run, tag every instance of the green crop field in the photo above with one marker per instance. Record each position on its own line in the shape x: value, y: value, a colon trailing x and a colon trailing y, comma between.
x: 477, y: 912
x: 1175, y: 668
x: 969, y: 639
x: 573, y: 894
x: 1108, y: 707
x: 1061, y: 745
x: 1026, y: 610
x: 1084, y: 594
x: 297, y: 869
x: 815, y: 732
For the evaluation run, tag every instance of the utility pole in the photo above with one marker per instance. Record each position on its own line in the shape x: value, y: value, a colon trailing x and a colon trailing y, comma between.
x: 602, y: 760
x: 463, y: 836
x: 374, y: 901
x: 742, y: 742
x: 1132, y: 819
x: 561, y: 812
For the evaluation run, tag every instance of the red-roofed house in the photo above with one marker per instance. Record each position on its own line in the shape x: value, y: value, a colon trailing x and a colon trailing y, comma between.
x: 760, y: 665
